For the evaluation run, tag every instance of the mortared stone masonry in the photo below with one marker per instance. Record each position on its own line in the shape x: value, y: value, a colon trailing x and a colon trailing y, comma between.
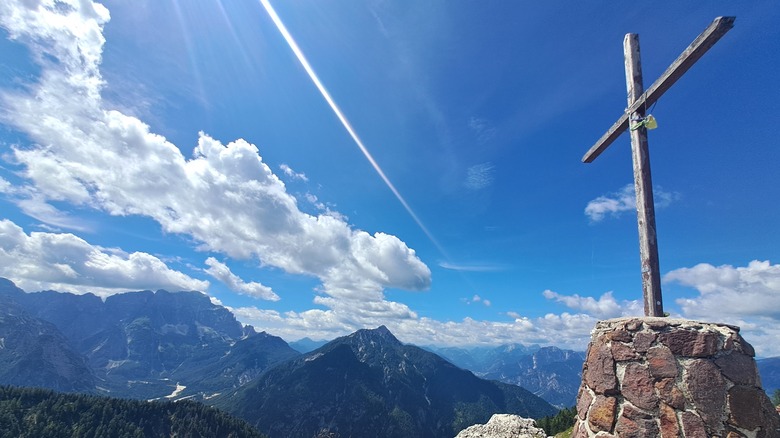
x: 662, y: 377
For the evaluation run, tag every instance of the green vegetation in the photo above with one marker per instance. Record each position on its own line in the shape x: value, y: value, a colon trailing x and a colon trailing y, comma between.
x: 776, y: 397
x: 560, y: 422
x: 28, y: 412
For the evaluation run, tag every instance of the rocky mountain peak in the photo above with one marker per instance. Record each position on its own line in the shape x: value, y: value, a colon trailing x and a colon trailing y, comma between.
x: 370, y: 381
x: 380, y: 334
x: 372, y: 345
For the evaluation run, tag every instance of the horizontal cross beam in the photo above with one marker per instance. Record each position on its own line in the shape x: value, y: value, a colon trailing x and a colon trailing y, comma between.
x: 689, y: 56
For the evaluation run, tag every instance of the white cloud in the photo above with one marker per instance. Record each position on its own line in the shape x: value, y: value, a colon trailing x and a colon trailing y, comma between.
x: 5, y: 186
x: 293, y: 174
x: 748, y: 297
x: 221, y: 272
x: 34, y: 205
x: 313, y: 200
x: 37, y: 208
x: 477, y: 299
x: 480, y: 176
x: 605, y: 307
x: 325, y: 209
x: 225, y: 197
x: 67, y: 263
x: 565, y: 330
x: 615, y: 204
x: 730, y: 292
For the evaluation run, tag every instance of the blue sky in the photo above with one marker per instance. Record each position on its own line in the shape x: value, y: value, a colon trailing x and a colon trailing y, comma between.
x: 184, y: 145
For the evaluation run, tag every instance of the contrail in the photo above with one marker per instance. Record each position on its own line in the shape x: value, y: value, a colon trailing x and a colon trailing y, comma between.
x: 310, y: 71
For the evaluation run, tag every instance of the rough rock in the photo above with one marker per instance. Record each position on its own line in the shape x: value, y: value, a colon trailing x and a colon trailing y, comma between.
x: 669, y: 426
x: 600, y: 369
x: 661, y: 362
x: 638, y: 387
x: 602, y: 414
x: 504, y: 426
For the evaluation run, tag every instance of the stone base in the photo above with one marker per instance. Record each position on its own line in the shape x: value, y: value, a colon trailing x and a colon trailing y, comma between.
x: 661, y: 377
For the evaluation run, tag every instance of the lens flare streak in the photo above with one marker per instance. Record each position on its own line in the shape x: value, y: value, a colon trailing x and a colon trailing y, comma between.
x: 336, y: 110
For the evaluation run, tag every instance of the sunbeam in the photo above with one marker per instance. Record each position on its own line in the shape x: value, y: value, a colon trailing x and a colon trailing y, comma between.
x: 190, y: 52
x: 234, y: 35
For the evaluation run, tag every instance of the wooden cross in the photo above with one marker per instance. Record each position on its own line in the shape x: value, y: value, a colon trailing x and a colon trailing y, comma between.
x: 638, y: 101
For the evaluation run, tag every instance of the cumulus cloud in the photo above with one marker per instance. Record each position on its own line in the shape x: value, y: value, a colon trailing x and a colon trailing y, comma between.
x: 64, y: 262
x: 746, y: 296
x: 293, y: 174
x: 480, y: 176
x: 565, y: 330
x: 605, y: 307
x: 485, y: 301
x: 221, y: 272
x: 477, y: 299
x: 728, y: 291
x: 224, y: 196
x: 615, y: 204
x: 326, y: 209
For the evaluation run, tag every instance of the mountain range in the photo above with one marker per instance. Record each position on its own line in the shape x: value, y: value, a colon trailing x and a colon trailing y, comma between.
x: 163, y: 345
x: 34, y: 352
x: 549, y: 372
x: 136, y: 344
x: 769, y: 370
x: 171, y: 346
x: 370, y: 381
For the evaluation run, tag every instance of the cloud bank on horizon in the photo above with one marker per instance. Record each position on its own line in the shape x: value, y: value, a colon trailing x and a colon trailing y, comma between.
x: 84, y: 154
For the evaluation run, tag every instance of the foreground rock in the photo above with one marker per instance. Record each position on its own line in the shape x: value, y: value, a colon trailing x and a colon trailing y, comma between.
x: 504, y: 426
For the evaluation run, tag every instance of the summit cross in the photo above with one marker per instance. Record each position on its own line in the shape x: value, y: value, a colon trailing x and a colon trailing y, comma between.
x: 634, y: 115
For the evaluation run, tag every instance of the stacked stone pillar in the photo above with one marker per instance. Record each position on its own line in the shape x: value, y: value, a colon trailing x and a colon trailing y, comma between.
x: 661, y: 377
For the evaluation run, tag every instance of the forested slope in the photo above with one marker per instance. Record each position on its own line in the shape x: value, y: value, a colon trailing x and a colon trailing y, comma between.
x: 28, y: 412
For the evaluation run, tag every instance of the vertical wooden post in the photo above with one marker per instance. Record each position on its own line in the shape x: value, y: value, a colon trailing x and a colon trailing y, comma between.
x: 643, y: 183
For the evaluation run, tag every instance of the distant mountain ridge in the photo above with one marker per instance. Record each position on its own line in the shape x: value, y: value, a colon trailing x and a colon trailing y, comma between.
x: 145, y: 344
x: 769, y: 370
x: 163, y: 345
x: 549, y: 372
x: 306, y: 345
x: 34, y: 352
x: 370, y: 381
